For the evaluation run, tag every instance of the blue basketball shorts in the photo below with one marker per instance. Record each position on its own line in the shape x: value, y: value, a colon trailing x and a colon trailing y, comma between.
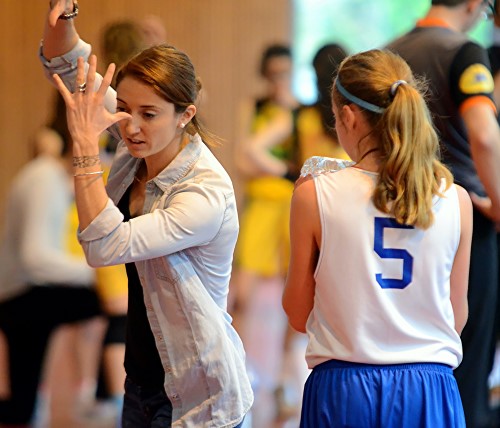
x: 342, y: 394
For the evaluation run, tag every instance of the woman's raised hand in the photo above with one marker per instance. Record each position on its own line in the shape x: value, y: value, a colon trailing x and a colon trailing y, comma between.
x: 57, y: 8
x: 86, y: 113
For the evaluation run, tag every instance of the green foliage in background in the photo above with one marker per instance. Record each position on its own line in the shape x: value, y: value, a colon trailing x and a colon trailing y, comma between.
x: 357, y: 25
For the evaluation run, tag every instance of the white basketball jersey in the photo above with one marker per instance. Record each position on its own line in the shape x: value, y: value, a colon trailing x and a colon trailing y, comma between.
x: 382, y: 289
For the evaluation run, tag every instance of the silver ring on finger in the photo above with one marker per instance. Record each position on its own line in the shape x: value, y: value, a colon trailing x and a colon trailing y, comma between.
x: 82, y: 87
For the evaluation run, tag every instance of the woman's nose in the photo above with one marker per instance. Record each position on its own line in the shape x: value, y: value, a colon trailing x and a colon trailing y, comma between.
x: 132, y: 126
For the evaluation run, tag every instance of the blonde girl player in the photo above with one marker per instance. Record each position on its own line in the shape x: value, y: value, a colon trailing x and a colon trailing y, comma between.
x: 380, y: 260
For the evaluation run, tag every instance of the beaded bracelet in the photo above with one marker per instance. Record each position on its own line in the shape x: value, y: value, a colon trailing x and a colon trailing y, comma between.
x: 83, y: 174
x: 85, y: 161
x: 70, y: 15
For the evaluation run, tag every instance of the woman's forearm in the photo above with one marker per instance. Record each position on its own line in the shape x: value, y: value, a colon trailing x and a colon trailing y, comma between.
x: 91, y: 197
x: 58, y: 39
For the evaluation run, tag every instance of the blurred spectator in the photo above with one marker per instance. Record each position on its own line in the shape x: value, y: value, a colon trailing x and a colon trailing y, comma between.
x: 315, y: 123
x: 269, y: 159
x: 42, y: 285
x: 462, y: 106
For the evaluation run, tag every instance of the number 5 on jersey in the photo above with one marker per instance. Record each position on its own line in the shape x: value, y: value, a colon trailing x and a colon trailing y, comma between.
x: 382, y: 223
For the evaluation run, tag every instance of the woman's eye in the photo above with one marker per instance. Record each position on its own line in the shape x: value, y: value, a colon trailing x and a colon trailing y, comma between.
x: 149, y: 115
x: 119, y: 109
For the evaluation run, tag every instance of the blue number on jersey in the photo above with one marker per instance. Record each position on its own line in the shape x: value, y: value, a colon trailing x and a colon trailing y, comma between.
x: 392, y: 253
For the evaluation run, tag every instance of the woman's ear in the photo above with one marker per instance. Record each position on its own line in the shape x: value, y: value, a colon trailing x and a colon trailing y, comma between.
x: 187, y: 115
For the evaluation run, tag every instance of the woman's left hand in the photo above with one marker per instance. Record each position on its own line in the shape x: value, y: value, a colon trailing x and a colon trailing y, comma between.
x: 57, y: 8
x: 86, y: 114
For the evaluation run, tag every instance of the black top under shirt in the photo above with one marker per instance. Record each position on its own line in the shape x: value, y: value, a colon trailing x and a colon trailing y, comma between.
x: 142, y: 360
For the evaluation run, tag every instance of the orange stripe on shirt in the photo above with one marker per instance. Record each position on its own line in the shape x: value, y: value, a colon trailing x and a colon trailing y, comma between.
x: 478, y: 99
x: 432, y: 22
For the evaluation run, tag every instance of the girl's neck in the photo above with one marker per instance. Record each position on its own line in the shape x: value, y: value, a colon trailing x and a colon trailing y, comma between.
x: 369, y: 160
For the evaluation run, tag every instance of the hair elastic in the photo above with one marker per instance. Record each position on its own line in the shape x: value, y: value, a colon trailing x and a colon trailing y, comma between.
x: 396, y: 85
x: 358, y: 101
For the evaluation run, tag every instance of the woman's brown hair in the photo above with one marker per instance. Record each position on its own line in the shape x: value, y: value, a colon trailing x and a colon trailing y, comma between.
x: 171, y: 74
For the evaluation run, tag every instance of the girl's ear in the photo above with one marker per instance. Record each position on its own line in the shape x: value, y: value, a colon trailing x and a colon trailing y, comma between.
x: 349, y: 116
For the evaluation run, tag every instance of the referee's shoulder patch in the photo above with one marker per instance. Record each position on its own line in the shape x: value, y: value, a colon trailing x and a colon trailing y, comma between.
x: 476, y: 79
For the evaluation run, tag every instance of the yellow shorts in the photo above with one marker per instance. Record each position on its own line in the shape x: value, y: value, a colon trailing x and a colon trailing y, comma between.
x: 264, y: 239
x: 111, y: 281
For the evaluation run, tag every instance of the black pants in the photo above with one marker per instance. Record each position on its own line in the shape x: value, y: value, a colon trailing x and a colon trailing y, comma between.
x: 28, y: 321
x: 478, y: 337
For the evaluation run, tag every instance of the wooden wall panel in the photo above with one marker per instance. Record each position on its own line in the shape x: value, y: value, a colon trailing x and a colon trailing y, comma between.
x: 224, y: 39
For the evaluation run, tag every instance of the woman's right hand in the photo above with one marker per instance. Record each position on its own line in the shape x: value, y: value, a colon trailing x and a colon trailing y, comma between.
x: 86, y: 113
x: 57, y: 8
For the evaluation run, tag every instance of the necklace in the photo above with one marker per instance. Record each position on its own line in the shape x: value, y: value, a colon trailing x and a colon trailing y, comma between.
x: 140, y: 171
